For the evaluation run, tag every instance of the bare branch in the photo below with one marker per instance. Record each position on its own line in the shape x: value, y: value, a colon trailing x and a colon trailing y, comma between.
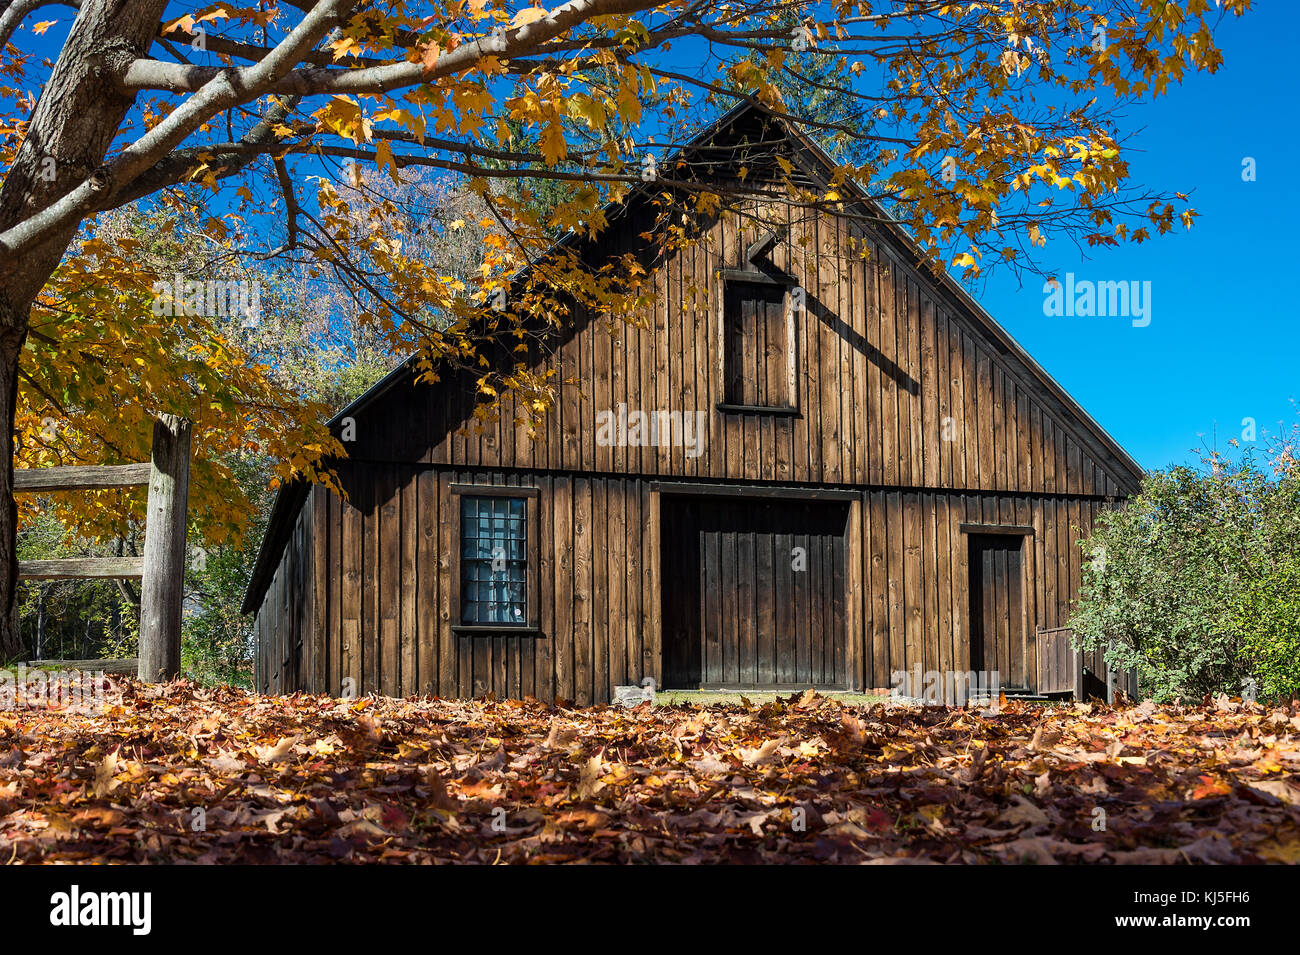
x: 290, y: 204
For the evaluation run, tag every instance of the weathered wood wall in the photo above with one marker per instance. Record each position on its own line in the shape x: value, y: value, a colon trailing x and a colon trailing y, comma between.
x: 286, y: 629
x: 898, y: 385
x: 905, y: 396
x: 383, y: 563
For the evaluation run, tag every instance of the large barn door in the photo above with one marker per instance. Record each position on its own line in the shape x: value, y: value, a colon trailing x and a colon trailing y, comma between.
x: 754, y: 594
x: 997, y: 608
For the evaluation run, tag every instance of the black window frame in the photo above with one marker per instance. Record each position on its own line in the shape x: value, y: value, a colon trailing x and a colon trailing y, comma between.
x: 530, y: 497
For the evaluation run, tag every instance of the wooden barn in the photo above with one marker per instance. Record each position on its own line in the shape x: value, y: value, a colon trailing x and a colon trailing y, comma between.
x: 749, y: 492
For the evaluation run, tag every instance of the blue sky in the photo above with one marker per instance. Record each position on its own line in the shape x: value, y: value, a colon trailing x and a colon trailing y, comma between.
x: 1224, y: 341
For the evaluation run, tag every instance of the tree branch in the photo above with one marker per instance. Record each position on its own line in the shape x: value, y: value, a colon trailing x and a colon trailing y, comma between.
x: 229, y: 158
x: 254, y: 53
x: 155, y: 74
x: 229, y: 88
x: 290, y: 205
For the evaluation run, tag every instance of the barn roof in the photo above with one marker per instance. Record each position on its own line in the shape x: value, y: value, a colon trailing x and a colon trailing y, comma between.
x: 291, y: 498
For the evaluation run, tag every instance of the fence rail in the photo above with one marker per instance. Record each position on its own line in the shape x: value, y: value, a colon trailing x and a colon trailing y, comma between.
x: 161, y: 569
x: 81, y: 478
x: 78, y: 567
x: 118, y: 665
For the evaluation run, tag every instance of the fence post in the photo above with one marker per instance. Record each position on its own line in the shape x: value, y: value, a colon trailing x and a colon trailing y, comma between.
x: 163, y: 587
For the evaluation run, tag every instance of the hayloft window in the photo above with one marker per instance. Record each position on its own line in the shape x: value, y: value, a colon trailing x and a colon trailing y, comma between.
x: 757, y: 344
x: 497, y: 531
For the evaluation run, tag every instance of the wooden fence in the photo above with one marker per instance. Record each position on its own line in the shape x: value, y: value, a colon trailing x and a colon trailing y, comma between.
x: 162, y: 568
x: 1062, y: 669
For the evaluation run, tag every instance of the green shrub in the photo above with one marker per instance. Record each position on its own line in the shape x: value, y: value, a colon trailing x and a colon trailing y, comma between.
x: 1195, y: 581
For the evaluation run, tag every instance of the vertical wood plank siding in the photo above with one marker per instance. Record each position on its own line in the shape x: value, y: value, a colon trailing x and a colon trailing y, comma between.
x: 913, y: 599
x: 903, y: 395
x: 1001, y: 428
x: 287, y: 653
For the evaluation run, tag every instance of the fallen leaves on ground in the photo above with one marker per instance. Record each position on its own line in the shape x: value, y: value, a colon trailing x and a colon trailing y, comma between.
x: 180, y: 773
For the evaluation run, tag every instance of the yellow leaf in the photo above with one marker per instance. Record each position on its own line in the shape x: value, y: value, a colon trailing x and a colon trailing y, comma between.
x: 342, y: 115
x: 344, y: 47
x: 528, y: 15
x: 384, y: 159
x: 553, y: 146
x: 589, y: 109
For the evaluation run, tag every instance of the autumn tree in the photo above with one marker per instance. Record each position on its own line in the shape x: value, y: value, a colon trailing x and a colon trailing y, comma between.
x: 995, y: 125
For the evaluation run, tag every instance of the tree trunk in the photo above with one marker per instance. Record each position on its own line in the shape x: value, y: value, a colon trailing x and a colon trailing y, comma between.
x: 75, y: 122
x: 11, y: 344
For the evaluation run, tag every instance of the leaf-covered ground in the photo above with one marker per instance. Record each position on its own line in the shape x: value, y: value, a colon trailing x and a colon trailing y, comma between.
x: 178, y: 773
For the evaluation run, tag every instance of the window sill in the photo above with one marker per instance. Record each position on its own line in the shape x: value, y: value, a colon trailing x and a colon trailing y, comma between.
x: 504, y: 630
x: 778, y: 411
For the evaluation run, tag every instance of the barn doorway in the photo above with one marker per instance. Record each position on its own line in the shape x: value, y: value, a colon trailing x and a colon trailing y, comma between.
x: 997, y: 620
x: 754, y: 593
